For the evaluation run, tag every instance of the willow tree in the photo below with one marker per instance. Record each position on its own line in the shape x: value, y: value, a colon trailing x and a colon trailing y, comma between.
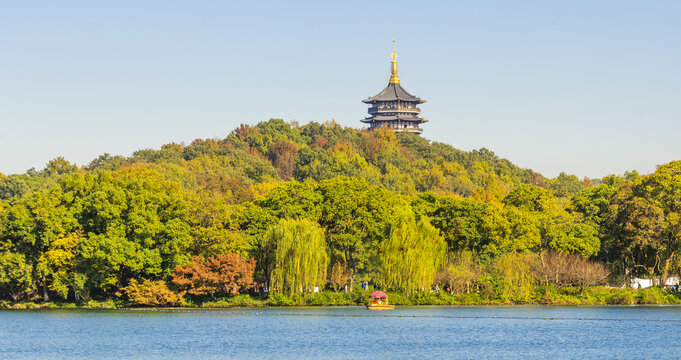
x: 411, y: 255
x: 297, y: 255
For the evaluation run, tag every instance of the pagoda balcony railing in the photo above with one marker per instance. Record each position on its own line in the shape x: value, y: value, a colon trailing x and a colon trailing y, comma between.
x: 416, y: 130
x: 397, y: 127
x: 390, y: 109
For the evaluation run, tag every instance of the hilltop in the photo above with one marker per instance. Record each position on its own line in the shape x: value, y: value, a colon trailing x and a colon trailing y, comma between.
x: 278, y: 151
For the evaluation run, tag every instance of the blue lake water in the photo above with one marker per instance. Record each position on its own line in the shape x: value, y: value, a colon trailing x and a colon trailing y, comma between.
x: 519, y: 332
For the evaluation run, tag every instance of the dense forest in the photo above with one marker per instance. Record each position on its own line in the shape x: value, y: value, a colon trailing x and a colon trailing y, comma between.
x: 278, y: 209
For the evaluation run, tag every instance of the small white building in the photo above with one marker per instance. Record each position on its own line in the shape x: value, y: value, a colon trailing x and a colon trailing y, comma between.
x: 638, y: 283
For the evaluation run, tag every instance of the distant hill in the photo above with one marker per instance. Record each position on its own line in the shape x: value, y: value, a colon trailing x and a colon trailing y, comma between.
x: 275, y: 150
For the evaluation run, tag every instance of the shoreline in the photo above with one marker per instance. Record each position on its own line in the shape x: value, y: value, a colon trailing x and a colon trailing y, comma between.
x: 541, y: 296
x: 165, y: 308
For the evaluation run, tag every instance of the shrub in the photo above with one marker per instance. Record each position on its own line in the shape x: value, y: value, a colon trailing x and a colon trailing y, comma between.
x: 187, y: 303
x: 31, y: 305
x: 360, y: 297
x: 330, y: 298
x: 151, y: 293
x: 424, y: 298
x: 278, y: 299
x: 232, y: 301
x: 108, y: 304
x: 624, y: 297
x: 473, y: 298
x: 222, y: 303
x: 398, y: 299
x: 655, y: 295
x: 242, y: 301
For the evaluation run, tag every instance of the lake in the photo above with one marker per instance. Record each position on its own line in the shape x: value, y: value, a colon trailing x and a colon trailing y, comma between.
x: 513, y: 332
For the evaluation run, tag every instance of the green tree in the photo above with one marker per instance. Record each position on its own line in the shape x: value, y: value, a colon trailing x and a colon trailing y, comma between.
x: 109, y: 261
x: 664, y: 186
x: 593, y: 202
x: 565, y: 185
x: 15, y: 274
x: 313, y: 163
x: 496, y: 231
x: 354, y: 214
x: 558, y: 229
x: 411, y: 255
x: 396, y: 181
x: 526, y: 229
x: 568, y: 234
x: 530, y: 198
x: 635, y: 240
x: 12, y: 187
x: 59, y: 166
x: 458, y: 219
x: 134, y: 224
x: 297, y: 256
x: 107, y: 162
x: 213, y: 226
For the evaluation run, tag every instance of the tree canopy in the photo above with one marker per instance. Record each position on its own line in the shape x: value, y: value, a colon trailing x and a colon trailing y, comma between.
x: 314, y: 202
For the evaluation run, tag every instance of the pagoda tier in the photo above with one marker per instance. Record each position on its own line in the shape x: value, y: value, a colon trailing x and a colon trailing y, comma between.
x: 394, y: 108
x: 394, y: 92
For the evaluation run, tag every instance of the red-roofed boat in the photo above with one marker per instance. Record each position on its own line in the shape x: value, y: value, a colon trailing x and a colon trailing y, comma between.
x: 379, y: 301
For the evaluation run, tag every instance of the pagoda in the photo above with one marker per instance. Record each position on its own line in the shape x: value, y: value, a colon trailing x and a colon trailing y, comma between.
x: 394, y: 108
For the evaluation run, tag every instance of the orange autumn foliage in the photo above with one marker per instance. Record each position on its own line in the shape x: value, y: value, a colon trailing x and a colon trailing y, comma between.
x: 151, y: 293
x: 224, y: 274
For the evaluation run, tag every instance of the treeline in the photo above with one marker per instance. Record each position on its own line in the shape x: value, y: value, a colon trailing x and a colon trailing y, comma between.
x: 297, y: 207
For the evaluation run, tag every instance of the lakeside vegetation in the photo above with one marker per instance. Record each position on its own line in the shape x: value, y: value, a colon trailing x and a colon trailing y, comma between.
x: 541, y: 295
x: 293, y: 208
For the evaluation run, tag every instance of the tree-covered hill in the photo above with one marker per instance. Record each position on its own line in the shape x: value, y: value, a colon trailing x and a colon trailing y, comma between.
x: 275, y: 150
x: 405, y: 163
x: 323, y: 205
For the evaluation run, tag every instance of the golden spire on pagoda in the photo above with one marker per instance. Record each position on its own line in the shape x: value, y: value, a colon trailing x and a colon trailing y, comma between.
x: 393, y: 68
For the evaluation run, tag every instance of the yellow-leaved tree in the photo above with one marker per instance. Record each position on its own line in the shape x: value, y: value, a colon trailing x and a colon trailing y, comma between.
x: 59, y: 262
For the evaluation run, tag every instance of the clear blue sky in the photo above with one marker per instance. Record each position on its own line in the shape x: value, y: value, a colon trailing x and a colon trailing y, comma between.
x: 586, y: 87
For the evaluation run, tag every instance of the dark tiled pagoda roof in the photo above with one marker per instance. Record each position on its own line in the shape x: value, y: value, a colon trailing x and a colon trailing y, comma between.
x: 393, y: 92
x: 403, y: 117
